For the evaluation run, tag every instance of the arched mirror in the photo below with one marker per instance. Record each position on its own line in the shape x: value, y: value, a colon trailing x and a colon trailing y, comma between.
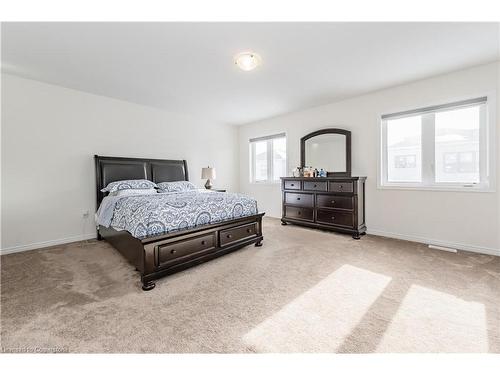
x: 329, y: 149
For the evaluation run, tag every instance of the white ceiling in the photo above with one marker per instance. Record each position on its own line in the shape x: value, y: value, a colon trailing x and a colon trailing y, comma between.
x: 188, y: 67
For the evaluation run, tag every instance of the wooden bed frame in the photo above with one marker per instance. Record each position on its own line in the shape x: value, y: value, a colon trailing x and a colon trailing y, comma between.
x: 163, y: 254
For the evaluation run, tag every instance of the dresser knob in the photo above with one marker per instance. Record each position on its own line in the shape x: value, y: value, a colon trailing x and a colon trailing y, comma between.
x: 173, y: 251
x: 203, y: 242
x: 315, y: 185
x: 333, y: 202
x: 292, y: 184
x: 299, y: 213
x: 298, y: 199
x: 249, y: 230
x: 341, y: 186
x: 333, y: 217
x: 229, y: 236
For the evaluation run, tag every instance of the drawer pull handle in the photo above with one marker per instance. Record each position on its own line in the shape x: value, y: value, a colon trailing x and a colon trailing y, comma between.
x: 333, y: 217
x: 298, y: 199
x: 203, y: 242
x: 249, y: 230
x: 299, y: 213
x: 340, y: 186
x: 173, y: 251
x: 292, y: 184
x: 333, y: 202
x: 315, y: 185
x: 229, y: 236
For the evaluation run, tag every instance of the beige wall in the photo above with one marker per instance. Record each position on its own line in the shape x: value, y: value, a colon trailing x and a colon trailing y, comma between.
x: 47, y: 129
x: 465, y: 220
x: 49, y: 137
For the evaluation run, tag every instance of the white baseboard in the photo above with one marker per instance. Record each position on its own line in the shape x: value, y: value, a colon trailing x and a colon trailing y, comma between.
x: 375, y: 232
x: 428, y: 241
x: 39, y: 245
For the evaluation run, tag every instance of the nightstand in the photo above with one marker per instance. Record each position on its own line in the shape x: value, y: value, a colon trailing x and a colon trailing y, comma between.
x: 218, y: 190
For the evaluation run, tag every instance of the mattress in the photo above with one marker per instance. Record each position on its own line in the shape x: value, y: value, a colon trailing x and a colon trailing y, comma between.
x: 147, y: 215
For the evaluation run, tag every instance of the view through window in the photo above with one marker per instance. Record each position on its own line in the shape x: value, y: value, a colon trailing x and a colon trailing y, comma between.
x: 438, y: 146
x: 268, y: 158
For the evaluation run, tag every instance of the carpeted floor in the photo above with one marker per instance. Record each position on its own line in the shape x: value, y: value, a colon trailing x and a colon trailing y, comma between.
x: 303, y: 291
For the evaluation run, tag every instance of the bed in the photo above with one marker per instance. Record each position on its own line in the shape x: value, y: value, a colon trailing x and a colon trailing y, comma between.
x: 200, y: 226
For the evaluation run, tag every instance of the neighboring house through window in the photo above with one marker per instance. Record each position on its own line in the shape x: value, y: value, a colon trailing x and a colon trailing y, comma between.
x: 441, y: 146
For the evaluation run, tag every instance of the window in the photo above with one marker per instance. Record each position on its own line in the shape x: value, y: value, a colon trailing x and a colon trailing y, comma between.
x: 268, y: 158
x: 404, y: 142
x: 457, y: 145
x: 437, y: 147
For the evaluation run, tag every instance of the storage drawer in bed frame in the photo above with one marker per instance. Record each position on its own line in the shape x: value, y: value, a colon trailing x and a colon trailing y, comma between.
x: 158, y: 256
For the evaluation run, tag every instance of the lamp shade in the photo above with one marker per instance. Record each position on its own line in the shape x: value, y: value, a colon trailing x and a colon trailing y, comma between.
x: 208, y: 173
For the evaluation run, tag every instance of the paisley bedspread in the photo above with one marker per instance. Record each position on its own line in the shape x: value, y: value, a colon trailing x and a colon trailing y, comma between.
x: 145, y: 215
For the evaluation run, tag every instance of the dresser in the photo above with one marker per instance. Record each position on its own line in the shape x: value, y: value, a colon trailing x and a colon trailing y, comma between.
x: 334, y: 203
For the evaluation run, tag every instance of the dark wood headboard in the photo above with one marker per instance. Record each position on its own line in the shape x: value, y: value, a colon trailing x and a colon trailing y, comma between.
x: 109, y: 169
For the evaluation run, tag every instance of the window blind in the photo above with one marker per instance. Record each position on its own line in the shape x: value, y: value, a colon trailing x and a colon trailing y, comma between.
x: 436, y: 108
x: 280, y: 135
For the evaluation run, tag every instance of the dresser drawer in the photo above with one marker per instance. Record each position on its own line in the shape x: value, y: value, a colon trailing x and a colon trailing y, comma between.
x: 342, y: 187
x: 299, y: 199
x: 345, y: 219
x: 174, y: 251
x: 335, y: 201
x: 293, y: 185
x: 298, y: 213
x: 315, y: 186
x: 239, y: 233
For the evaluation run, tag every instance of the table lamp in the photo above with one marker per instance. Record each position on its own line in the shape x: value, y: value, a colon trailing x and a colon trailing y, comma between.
x: 209, y: 174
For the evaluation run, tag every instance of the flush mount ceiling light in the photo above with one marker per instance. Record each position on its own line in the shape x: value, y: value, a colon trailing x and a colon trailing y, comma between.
x: 247, y: 61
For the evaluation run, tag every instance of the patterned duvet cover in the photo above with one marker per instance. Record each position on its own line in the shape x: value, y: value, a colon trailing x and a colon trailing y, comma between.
x: 146, y: 215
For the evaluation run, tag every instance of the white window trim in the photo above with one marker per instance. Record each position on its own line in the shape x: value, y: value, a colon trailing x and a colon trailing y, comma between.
x: 487, y: 167
x: 270, y: 166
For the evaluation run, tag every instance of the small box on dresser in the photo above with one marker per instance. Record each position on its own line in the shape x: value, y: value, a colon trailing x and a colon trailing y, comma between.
x: 334, y: 203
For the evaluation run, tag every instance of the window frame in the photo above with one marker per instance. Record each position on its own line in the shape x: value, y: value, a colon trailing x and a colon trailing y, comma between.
x: 270, y: 164
x: 486, y: 148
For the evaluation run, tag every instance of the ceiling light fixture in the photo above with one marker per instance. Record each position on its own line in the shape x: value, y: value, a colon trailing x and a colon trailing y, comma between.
x: 247, y: 61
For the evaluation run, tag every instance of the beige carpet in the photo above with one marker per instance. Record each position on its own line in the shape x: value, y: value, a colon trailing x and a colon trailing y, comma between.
x: 304, y: 290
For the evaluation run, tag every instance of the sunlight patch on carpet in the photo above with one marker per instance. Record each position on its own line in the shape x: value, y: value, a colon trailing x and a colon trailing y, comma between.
x: 320, y: 318
x: 432, y: 321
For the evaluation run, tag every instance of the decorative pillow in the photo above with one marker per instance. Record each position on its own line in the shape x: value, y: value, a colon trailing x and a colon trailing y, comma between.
x: 129, y: 192
x: 129, y: 184
x: 176, y: 186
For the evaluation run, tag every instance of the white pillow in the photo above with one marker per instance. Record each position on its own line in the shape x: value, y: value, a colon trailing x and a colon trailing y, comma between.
x: 129, y: 192
x: 128, y: 184
x: 176, y: 186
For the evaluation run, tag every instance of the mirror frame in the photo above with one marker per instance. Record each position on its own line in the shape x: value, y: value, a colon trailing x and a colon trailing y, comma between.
x: 347, y: 134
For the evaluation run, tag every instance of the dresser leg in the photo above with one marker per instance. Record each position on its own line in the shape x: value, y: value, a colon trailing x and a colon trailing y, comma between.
x: 356, y: 236
x: 283, y: 222
x: 258, y: 243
